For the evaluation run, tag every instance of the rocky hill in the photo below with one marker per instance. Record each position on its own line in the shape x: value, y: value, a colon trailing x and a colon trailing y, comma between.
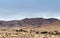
x: 29, y: 21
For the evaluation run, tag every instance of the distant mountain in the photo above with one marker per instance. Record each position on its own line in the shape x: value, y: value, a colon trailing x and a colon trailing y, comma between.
x: 29, y: 21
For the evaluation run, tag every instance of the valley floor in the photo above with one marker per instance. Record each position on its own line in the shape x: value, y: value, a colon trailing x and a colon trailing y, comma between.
x: 23, y: 33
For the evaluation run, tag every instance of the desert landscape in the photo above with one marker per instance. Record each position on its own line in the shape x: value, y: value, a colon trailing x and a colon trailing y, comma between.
x: 29, y: 18
x: 30, y: 28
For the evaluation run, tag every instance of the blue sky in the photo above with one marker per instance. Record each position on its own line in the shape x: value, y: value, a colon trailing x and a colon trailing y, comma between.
x: 19, y: 9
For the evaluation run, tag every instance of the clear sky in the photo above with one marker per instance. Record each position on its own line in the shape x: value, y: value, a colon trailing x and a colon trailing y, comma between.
x: 19, y: 9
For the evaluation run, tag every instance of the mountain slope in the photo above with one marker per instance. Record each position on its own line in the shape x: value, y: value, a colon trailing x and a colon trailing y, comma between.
x: 30, y: 21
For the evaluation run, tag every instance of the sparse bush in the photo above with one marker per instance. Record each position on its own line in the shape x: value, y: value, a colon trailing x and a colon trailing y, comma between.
x: 31, y: 31
x: 51, y: 33
x: 37, y: 32
x: 21, y: 30
x: 56, y: 32
x: 44, y: 32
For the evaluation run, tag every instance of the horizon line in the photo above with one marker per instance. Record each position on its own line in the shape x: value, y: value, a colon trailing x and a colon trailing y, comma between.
x: 26, y: 18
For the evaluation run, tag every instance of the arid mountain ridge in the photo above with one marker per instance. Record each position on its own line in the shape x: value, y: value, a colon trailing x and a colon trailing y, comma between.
x: 29, y: 21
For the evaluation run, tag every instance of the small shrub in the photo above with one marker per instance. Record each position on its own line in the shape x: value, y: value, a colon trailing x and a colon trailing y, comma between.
x: 56, y: 32
x: 51, y: 33
x: 44, y: 32
x: 21, y: 30
x: 37, y: 32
